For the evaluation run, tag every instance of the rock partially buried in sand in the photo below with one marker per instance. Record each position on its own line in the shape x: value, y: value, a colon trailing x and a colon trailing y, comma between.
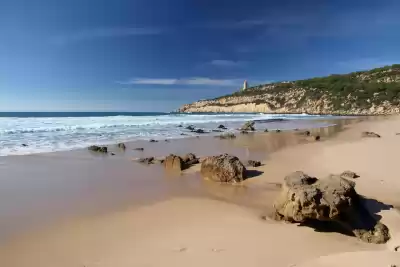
x: 227, y: 136
x: 254, y: 163
x: 278, y: 131
x: 121, y: 146
x: 349, y: 175
x: 149, y: 160
x: 173, y: 163
x: 199, y: 131
x: 370, y: 134
x: 222, y: 127
x: 248, y: 126
x: 223, y: 168
x: 304, y: 199
x: 24, y: 145
x: 153, y: 141
x: 139, y: 149
x: 244, y: 132
x: 99, y: 149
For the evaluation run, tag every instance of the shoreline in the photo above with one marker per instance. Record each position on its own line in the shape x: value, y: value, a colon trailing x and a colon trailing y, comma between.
x: 199, y: 221
x: 171, y: 132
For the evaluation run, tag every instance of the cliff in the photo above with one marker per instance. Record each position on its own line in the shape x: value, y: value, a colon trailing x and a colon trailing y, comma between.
x: 373, y: 92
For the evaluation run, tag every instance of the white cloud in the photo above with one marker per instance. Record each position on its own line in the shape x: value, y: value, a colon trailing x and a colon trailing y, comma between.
x: 91, y: 34
x: 184, y: 81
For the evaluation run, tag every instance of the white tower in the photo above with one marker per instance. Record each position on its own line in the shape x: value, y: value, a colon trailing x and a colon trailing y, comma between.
x: 245, y: 85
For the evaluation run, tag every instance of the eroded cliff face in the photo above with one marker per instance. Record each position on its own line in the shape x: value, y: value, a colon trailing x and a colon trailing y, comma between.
x: 367, y: 97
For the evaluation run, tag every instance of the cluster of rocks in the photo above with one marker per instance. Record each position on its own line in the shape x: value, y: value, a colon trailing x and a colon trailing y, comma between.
x: 305, y: 199
x: 172, y: 162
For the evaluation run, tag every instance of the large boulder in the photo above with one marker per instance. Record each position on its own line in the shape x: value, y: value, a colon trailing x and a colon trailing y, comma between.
x: 173, y: 163
x: 248, y: 126
x: 223, y: 168
x: 333, y: 199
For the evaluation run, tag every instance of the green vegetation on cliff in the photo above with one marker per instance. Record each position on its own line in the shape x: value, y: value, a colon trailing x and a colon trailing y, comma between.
x: 361, y: 89
x: 370, y: 92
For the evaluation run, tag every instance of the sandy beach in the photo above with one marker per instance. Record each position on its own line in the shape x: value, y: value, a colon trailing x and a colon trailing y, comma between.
x: 118, y: 213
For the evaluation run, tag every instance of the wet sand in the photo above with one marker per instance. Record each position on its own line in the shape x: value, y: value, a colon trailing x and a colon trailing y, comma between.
x: 42, y: 189
x: 110, y: 211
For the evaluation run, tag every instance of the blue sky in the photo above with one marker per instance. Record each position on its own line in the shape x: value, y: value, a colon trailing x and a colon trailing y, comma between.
x: 154, y: 55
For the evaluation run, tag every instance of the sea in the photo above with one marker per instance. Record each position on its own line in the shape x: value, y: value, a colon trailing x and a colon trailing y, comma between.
x: 23, y: 133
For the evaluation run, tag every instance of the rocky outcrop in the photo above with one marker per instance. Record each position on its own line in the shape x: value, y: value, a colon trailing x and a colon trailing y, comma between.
x: 304, y: 199
x: 99, y: 149
x: 223, y: 168
x: 336, y: 94
x: 248, y: 126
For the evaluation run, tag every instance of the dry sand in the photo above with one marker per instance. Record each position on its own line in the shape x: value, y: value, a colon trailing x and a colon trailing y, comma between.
x: 198, y: 231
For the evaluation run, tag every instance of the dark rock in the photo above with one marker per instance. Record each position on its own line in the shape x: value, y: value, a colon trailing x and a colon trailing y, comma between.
x: 224, y: 168
x: 222, y: 127
x: 349, y: 175
x: 217, y: 131
x: 248, y: 126
x: 278, y: 131
x: 139, y: 148
x: 149, y: 160
x: 254, y: 163
x: 166, y: 140
x: 305, y: 199
x: 173, y: 163
x: 199, y: 131
x: 370, y: 134
x: 153, y: 141
x: 100, y: 149
x: 112, y: 154
x: 121, y: 146
x: 183, y: 134
x: 180, y: 125
x: 190, y: 127
x: 24, y: 145
x: 266, y: 131
x: 227, y: 136
x: 191, y: 162
x: 317, y: 138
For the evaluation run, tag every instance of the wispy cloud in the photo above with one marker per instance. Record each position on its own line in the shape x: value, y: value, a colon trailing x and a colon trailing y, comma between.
x: 227, y: 63
x: 183, y: 81
x: 87, y: 35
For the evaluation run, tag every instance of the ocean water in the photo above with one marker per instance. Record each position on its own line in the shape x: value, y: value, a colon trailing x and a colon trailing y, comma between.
x: 38, y: 132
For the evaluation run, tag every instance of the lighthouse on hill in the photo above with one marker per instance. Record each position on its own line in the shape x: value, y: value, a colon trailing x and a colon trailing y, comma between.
x: 244, y: 85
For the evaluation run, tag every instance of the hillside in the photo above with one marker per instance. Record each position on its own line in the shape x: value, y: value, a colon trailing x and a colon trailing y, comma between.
x: 374, y: 92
